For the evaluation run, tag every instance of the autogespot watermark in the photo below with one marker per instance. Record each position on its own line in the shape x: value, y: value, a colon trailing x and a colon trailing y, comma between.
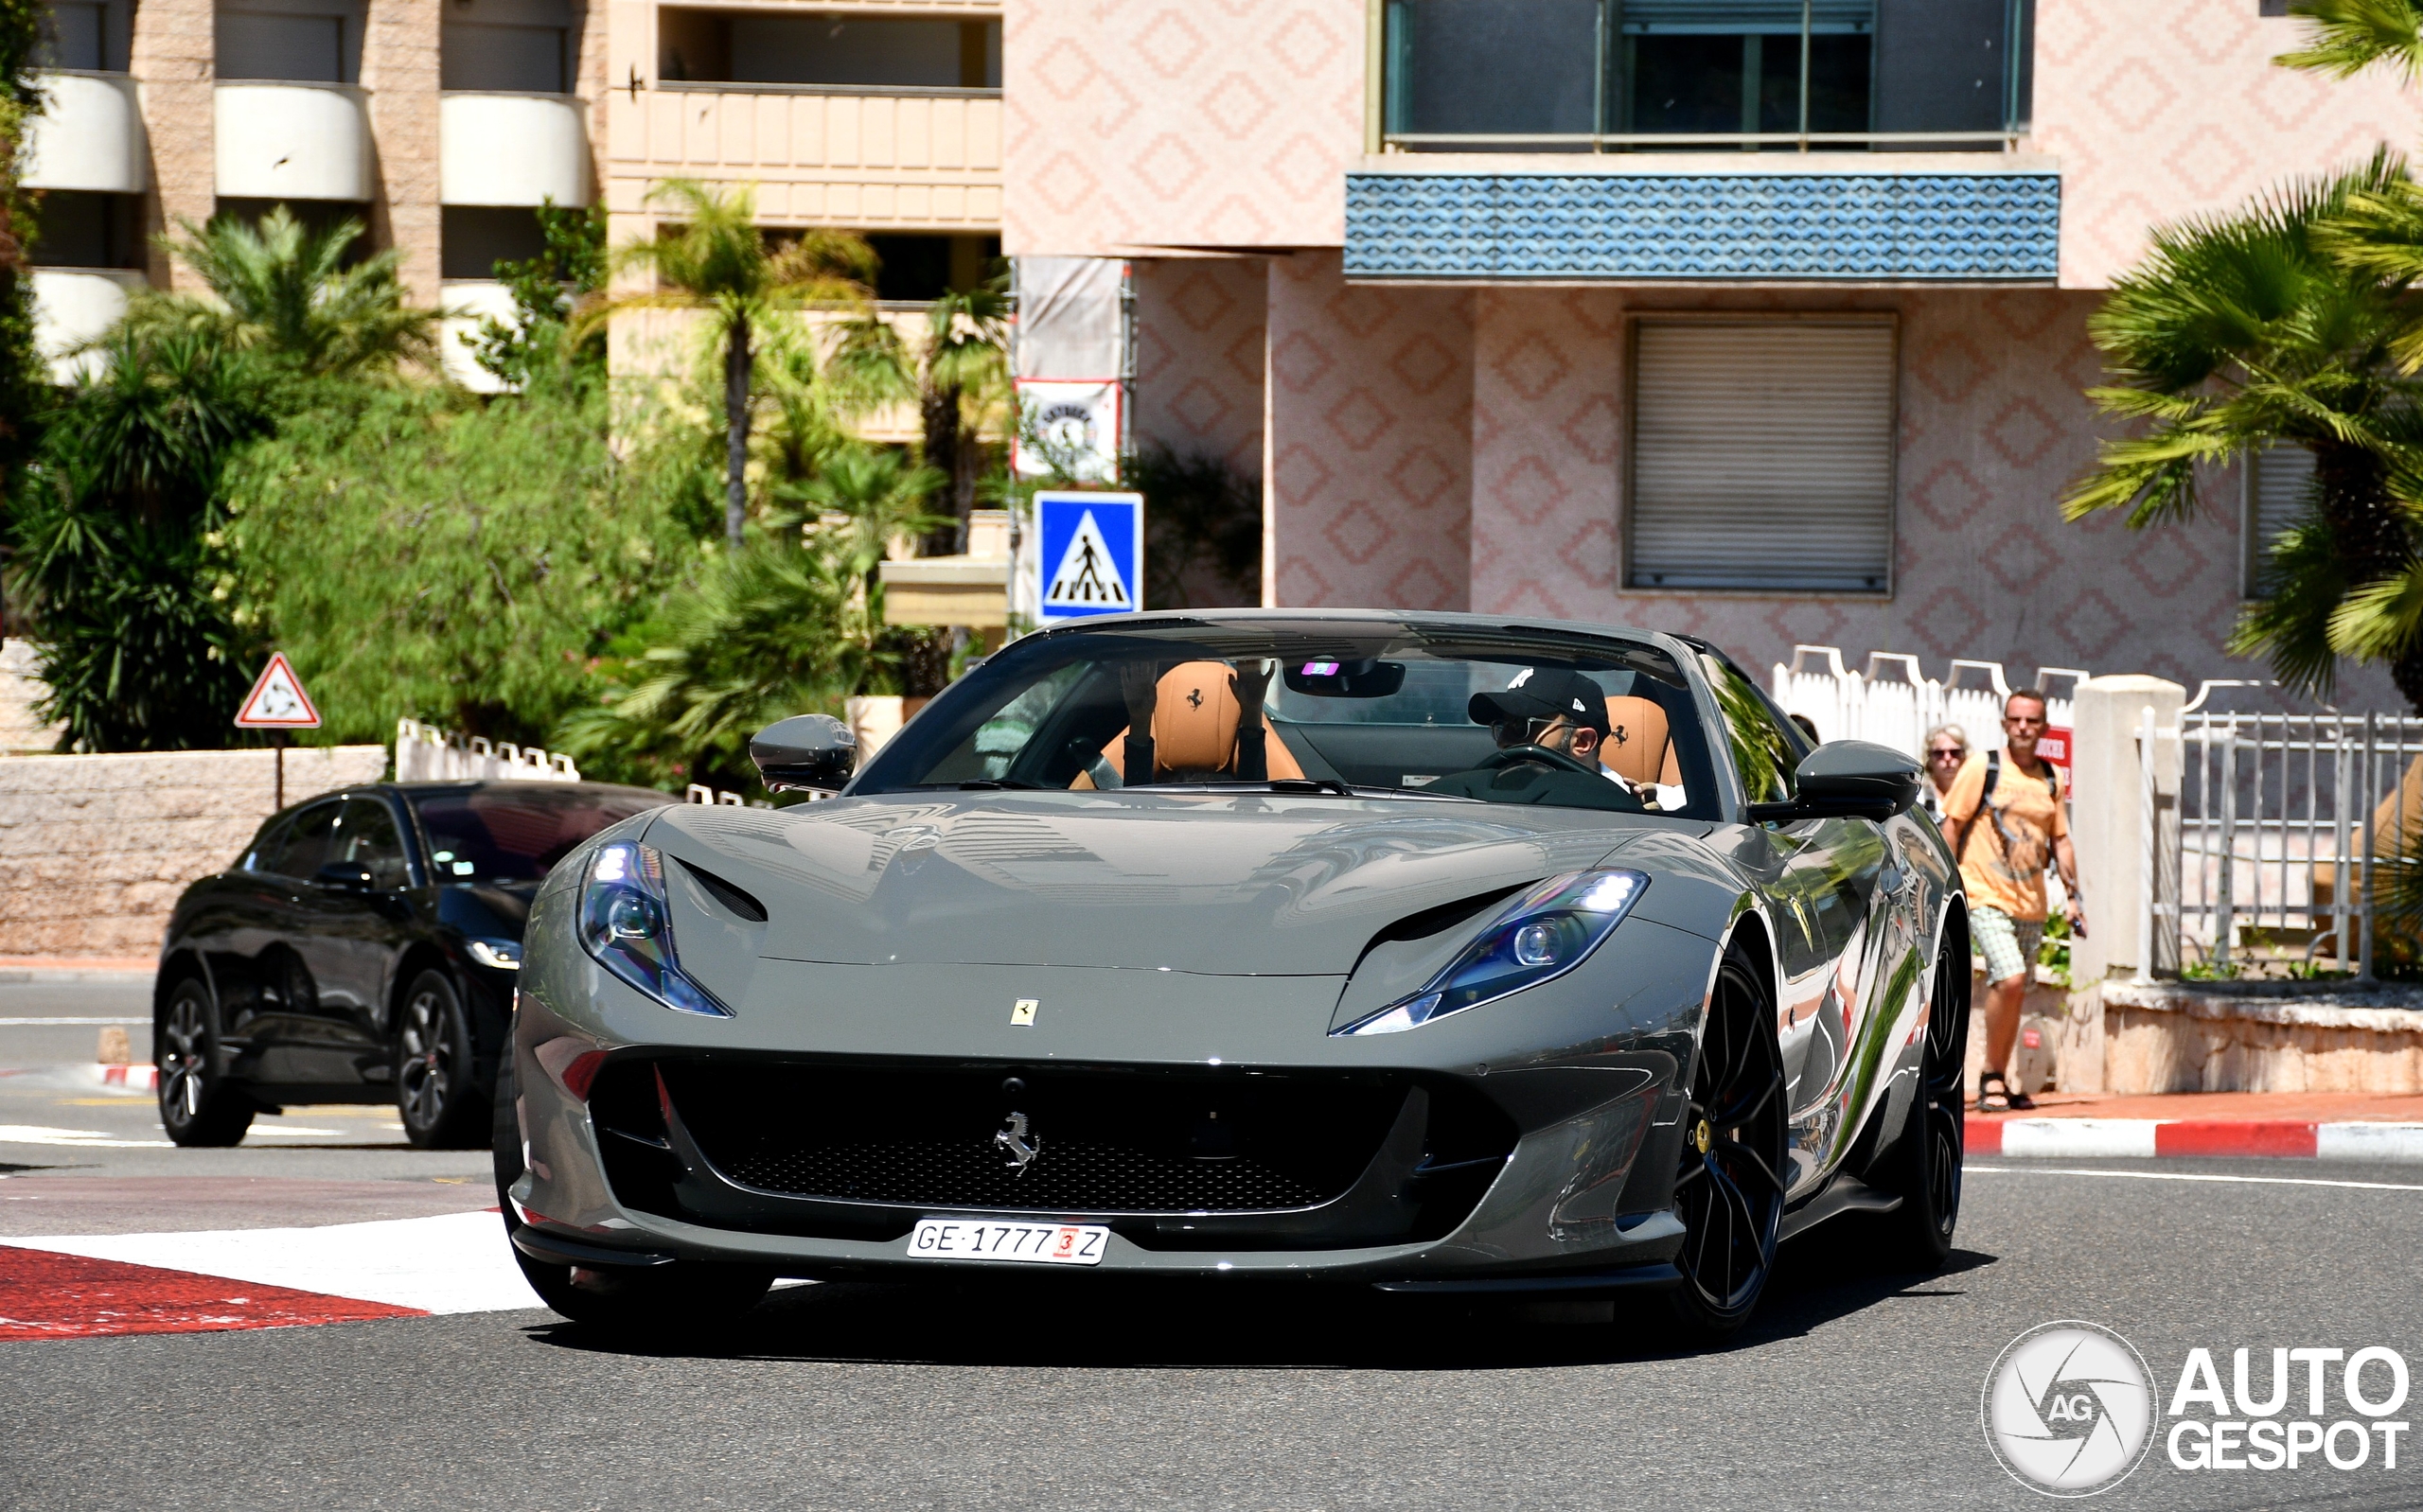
x: 2071, y: 1408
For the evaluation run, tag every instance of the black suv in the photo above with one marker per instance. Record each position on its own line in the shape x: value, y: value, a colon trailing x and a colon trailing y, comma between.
x: 364, y: 948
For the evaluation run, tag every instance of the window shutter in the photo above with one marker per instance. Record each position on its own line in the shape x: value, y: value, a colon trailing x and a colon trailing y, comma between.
x: 2277, y: 480
x: 1762, y: 455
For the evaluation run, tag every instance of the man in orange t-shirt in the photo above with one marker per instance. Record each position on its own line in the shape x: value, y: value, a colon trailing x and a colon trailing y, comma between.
x: 2005, y: 817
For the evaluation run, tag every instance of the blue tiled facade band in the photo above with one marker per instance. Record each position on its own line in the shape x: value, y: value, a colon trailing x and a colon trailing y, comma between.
x: 1965, y: 226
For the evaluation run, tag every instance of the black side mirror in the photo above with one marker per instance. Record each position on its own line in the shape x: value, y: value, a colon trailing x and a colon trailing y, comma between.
x: 348, y: 876
x: 1847, y: 780
x: 812, y: 752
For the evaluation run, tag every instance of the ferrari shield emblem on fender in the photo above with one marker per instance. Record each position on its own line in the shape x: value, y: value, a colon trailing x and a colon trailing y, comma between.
x: 1022, y: 1013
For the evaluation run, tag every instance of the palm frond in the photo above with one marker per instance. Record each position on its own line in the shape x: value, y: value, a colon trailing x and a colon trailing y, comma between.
x: 2348, y: 36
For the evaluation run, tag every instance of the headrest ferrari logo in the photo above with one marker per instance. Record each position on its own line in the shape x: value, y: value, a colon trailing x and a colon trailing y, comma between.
x: 1618, y: 736
x: 1013, y: 1140
x: 1194, y: 697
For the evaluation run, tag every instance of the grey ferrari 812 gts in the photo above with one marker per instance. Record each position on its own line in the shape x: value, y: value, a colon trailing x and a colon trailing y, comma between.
x: 1426, y: 952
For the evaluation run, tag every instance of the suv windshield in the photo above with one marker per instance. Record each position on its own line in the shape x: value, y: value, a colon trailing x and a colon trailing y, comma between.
x: 1381, y: 709
x: 515, y: 833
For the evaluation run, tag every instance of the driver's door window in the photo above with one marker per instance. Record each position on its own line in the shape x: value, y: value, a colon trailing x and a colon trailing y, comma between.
x: 1764, y: 752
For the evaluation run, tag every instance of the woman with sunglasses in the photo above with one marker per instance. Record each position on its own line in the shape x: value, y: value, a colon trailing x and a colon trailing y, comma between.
x: 1946, y: 748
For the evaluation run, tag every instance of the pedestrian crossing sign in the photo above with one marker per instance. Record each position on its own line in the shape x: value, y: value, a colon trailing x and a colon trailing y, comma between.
x: 1089, y: 557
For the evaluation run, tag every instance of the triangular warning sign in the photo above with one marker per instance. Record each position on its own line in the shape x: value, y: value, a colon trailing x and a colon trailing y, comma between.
x: 1087, y: 578
x: 277, y: 701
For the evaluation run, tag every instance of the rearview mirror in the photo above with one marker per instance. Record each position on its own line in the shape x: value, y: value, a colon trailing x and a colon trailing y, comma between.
x: 1847, y: 780
x: 816, y: 752
x: 1328, y: 679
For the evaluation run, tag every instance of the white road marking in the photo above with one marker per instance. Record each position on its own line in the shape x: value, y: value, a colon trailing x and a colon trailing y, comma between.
x: 287, y: 1129
x: 454, y: 1262
x: 130, y: 1020
x: 26, y: 1133
x: 2184, y: 1176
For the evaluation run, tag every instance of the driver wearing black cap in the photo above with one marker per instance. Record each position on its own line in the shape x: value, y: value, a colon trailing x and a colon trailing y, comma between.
x: 1548, y: 723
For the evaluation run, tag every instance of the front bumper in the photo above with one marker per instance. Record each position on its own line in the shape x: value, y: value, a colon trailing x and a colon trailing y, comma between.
x: 1528, y: 1142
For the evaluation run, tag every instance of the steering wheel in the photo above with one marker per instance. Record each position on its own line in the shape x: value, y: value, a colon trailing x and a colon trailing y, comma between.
x: 1537, y: 755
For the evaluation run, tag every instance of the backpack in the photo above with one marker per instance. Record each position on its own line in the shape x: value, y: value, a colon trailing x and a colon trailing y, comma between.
x: 1984, y: 799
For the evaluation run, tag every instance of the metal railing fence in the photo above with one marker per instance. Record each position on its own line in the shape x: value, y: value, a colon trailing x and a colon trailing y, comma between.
x: 2290, y: 829
x: 424, y: 753
x: 1894, y: 704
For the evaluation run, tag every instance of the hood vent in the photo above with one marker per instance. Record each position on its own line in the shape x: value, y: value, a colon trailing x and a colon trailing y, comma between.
x: 725, y: 893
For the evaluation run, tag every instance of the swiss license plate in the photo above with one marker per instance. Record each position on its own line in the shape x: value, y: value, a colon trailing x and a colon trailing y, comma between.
x: 964, y: 1238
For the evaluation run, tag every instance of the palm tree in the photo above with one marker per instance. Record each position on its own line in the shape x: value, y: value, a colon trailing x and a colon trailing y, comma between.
x: 956, y: 376
x: 2250, y: 330
x: 2349, y: 36
x: 283, y: 288
x: 879, y: 498
x: 714, y: 258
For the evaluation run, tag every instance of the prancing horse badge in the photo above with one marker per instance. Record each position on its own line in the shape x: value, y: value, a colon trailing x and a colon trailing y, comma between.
x: 1022, y: 1012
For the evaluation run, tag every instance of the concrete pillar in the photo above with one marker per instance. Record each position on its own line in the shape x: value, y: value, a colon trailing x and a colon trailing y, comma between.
x: 399, y: 69
x: 2106, y: 813
x: 174, y: 62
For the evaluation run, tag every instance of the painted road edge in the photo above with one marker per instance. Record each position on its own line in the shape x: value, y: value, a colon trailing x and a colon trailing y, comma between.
x: 2146, y: 1138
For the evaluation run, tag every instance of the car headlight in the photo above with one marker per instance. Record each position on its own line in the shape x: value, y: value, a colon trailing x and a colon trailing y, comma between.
x: 505, y: 955
x: 1545, y: 933
x: 624, y: 923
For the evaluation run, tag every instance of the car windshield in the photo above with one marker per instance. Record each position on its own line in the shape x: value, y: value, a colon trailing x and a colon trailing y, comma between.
x: 515, y: 833
x: 1312, y: 706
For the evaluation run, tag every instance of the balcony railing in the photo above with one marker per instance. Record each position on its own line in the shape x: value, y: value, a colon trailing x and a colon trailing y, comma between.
x: 293, y: 141
x: 89, y: 136
x: 511, y: 149
x: 1631, y: 75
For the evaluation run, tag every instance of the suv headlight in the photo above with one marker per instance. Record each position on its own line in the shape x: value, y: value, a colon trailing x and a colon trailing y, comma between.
x: 1541, y: 935
x: 624, y: 923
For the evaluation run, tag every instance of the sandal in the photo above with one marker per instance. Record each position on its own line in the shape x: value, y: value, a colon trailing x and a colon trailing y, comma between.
x: 1994, y: 1093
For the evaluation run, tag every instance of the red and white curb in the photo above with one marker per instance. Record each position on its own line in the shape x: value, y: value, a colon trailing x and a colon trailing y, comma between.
x: 83, y: 1285
x: 127, y: 1078
x: 2145, y: 1138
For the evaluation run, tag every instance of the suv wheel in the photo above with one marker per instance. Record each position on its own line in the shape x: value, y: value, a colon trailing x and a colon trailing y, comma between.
x: 436, y: 1093
x: 197, y: 1106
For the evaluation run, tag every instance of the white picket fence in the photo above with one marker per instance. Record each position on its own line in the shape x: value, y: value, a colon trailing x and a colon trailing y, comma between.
x: 424, y: 753
x: 1894, y: 704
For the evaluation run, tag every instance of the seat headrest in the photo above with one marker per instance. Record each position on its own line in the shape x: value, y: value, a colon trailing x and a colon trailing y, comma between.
x: 1635, y: 746
x: 1194, y: 718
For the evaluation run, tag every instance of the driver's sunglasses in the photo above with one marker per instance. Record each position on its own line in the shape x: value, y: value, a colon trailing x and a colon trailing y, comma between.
x: 1524, y: 731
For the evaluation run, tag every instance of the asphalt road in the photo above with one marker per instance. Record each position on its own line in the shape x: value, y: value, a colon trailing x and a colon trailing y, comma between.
x: 1850, y: 1389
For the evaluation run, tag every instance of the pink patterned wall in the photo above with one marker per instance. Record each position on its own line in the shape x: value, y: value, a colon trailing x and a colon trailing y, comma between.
x: 1370, y: 486
x: 1385, y: 501
x: 1198, y: 356
x: 2160, y: 109
x: 1178, y: 125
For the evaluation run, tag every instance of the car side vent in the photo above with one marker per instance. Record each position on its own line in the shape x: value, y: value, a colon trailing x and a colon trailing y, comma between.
x: 725, y: 893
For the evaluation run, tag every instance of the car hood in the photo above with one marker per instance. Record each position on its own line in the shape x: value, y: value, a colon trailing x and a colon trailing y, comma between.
x: 1220, y: 885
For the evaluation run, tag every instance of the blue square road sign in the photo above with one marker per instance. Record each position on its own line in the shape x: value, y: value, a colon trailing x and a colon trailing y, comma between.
x: 1090, y: 554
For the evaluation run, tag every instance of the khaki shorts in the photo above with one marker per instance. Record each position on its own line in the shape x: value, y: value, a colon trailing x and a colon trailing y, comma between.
x: 2009, y: 945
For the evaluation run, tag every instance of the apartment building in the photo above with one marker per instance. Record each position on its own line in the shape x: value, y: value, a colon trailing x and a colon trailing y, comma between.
x: 439, y: 124
x: 1760, y: 318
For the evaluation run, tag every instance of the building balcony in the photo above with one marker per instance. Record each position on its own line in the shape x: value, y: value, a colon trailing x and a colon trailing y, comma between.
x: 511, y: 149
x: 75, y: 305
x: 293, y: 141
x: 822, y: 154
x: 1814, y: 217
x: 467, y: 302
x: 89, y: 136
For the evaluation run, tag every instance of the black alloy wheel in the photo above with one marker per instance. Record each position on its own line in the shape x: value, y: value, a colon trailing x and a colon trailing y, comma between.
x: 436, y: 1092
x: 1729, y: 1189
x: 197, y: 1106
x: 684, y: 1296
x: 1933, y: 1144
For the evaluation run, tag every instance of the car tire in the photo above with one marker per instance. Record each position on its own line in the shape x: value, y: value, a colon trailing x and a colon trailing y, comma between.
x: 198, y: 1107
x: 437, y: 1092
x: 686, y: 1296
x: 1926, y: 1164
x: 1728, y: 1190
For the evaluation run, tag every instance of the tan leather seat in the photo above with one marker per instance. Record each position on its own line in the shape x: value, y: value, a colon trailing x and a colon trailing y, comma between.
x: 1639, y: 747
x: 1194, y: 730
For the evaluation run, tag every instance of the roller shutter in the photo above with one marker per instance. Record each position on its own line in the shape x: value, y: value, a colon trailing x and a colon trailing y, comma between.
x: 2277, y: 480
x: 1762, y: 455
